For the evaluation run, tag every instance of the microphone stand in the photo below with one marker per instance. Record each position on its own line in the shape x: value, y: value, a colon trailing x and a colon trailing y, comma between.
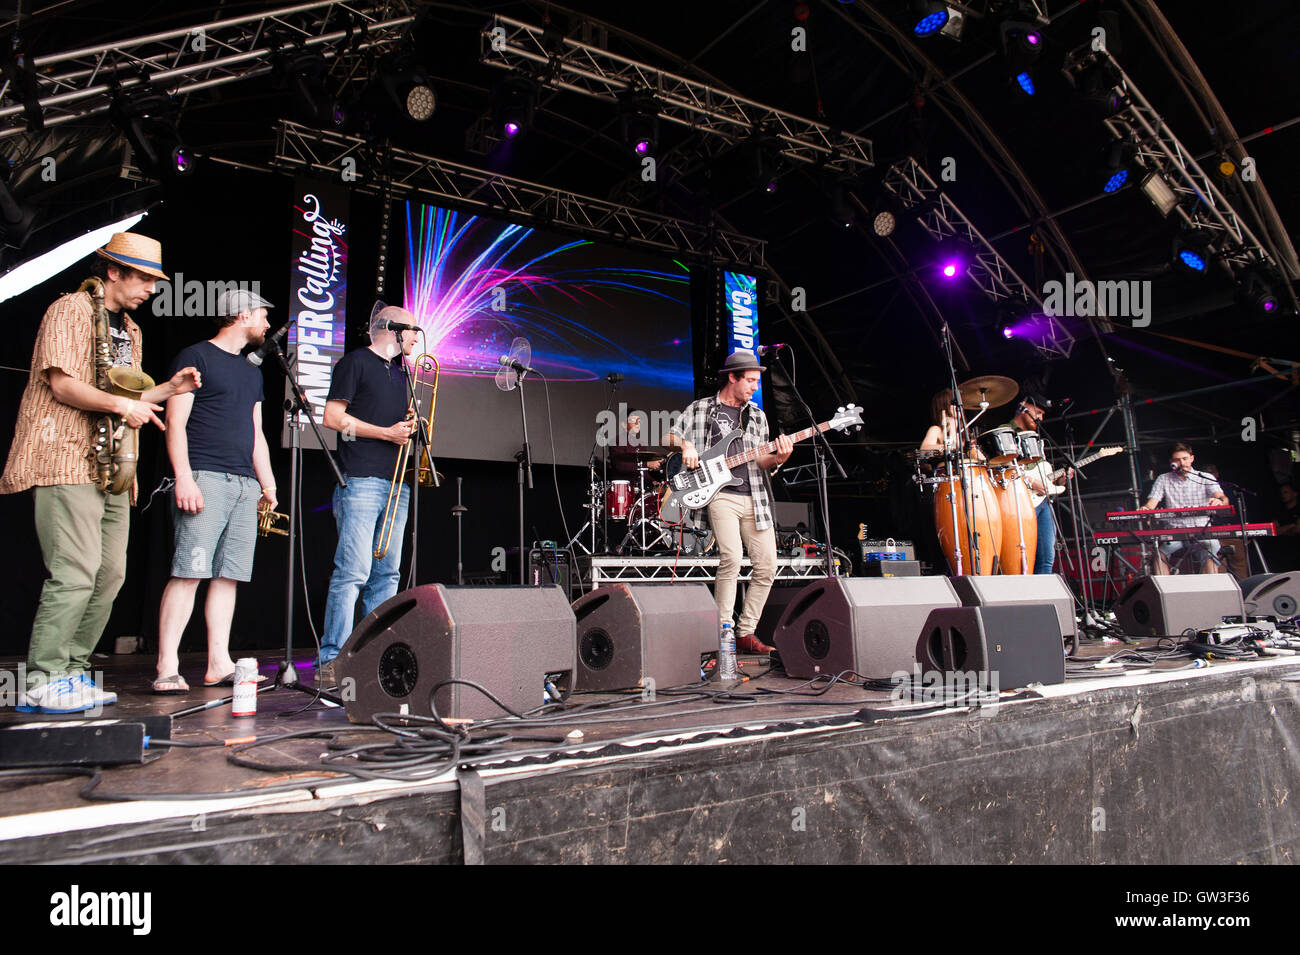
x: 287, y: 675
x: 525, y: 459
x: 822, y: 450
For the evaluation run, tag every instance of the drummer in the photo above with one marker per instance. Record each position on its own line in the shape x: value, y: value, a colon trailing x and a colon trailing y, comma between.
x: 1029, y: 417
x: 945, y: 427
x: 625, y: 455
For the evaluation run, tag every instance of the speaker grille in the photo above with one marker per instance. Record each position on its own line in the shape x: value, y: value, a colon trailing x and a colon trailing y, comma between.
x: 398, y: 671
x: 816, y: 640
x: 597, y: 650
x: 1141, y: 612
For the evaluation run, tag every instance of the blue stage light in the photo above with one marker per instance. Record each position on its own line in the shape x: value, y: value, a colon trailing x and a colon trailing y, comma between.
x: 1026, y: 83
x: 1116, y: 182
x: 1193, y: 260
x: 931, y: 23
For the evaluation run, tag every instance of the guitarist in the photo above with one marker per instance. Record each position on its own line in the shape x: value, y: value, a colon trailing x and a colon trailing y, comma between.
x: 1029, y: 417
x: 741, y: 515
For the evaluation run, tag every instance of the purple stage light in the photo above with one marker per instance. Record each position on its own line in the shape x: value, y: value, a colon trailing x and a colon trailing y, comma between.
x: 512, y: 129
x: 1032, y: 38
x: 1008, y: 332
x: 642, y: 147
x: 1269, y: 305
x: 950, y: 270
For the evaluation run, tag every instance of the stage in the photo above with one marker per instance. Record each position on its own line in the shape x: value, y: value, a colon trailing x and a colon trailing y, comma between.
x: 1170, y: 764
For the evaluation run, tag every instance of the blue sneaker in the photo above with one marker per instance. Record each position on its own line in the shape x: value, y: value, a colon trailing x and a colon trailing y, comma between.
x: 64, y: 695
x: 101, y: 697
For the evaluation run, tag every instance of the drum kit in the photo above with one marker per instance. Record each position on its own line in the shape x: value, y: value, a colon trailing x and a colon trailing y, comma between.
x: 982, y: 507
x: 641, y: 511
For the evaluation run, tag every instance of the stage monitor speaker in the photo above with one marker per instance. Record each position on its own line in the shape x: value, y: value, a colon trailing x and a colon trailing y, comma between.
x: 1272, y: 595
x: 1007, y: 646
x: 1165, y: 605
x: 509, y: 639
x: 1017, y: 590
x: 864, y: 624
x: 780, y: 596
x: 630, y: 632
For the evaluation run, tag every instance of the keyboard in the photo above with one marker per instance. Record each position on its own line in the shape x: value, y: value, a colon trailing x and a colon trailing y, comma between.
x: 1205, y: 510
x: 1162, y: 535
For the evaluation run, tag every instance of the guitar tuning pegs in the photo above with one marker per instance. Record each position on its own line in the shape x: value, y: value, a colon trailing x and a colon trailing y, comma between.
x: 841, y: 409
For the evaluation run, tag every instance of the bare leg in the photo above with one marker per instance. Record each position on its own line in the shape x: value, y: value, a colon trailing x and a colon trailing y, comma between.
x: 173, y: 615
x: 218, y: 612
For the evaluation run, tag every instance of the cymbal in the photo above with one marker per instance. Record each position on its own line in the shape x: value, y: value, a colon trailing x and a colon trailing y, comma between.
x: 994, y: 389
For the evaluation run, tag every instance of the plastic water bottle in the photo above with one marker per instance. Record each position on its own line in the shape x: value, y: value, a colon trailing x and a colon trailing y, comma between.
x: 727, y: 669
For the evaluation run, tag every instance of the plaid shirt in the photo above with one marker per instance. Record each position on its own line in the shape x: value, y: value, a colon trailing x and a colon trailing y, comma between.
x: 693, y: 426
x: 1194, y: 490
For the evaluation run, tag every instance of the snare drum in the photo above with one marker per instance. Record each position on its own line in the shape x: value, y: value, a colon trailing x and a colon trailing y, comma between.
x: 999, y: 445
x: 1031, y: 447
x: 618, y: 500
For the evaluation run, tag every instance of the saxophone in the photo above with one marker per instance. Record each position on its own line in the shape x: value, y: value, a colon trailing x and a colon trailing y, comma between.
x: 115, y: 445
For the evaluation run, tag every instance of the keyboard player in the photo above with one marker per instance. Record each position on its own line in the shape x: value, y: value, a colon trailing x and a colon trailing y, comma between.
x: 1183, y: 486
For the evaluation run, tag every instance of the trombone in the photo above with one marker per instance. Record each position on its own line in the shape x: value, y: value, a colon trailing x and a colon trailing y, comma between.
x: 426, y: 475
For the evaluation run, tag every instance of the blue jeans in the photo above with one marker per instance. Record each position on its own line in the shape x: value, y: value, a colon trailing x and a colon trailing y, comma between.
x: 1045, y: 556
x: 359, y: 512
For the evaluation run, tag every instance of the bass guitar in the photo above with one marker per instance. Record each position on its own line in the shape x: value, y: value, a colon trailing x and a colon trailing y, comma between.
x: 1049, y: 480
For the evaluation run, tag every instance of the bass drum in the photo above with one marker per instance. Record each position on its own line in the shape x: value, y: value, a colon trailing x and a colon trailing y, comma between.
x: 978, y: 509
x: 1009, y: 492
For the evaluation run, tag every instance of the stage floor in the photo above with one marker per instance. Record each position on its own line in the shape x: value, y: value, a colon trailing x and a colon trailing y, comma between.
x: 756, y: 775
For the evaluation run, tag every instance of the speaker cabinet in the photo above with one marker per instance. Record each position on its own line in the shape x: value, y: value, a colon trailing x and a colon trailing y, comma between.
x: 629, y: 632
x: 780, y: 596
x: 1007, y: 646
x: 509, y: 639
x: 1018, y: 590
x: 867, y: 625
x: 1272, y: 595
x: 1167, y: 605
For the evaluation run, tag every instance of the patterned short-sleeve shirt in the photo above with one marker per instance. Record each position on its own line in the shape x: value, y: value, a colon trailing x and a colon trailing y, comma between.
x: 52, y: 440
x: 693, y: 426
x: 1194, y: 490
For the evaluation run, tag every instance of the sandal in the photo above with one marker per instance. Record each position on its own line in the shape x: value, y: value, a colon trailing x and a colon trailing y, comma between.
x: 173, y: 685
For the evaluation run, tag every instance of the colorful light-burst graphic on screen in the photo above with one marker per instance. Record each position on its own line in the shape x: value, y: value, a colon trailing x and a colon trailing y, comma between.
x: 474, y: 284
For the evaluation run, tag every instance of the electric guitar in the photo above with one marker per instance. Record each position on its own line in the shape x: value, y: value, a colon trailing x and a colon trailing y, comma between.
x: 1049, y: 481
x: 696, y: 488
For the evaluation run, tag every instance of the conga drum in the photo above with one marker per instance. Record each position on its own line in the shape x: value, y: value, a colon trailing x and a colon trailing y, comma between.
x: 1014, y: 523
x: 976, y: 507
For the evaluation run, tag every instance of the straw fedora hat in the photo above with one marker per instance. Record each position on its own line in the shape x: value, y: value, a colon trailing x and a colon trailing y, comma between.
x: 138, y: 252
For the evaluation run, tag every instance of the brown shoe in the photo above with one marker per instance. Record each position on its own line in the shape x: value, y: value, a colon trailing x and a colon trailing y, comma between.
x: 751, y: 644
x: 325, y: 676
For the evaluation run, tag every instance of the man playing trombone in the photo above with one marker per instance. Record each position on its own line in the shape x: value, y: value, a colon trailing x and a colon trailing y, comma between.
x: 369, y: 403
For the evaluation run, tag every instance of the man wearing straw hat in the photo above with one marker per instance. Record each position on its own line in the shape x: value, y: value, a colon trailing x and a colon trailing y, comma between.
x: 82, y: 530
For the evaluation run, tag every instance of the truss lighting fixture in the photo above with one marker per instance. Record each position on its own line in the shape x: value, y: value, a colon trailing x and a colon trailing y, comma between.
x: 884, y: 223
x: 1120, y: 166
x: 1256, y: 293
x: 1159, y: 192
x: 930, y: 17
x: 639, y: 117
x: 1193, y: 253
x: 1025, y: 83
x: 515, y: 101
x: 16, y: 218
x: 147, y: 118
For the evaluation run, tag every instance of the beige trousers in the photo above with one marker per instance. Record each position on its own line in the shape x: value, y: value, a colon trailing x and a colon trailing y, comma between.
x: 732, y: 518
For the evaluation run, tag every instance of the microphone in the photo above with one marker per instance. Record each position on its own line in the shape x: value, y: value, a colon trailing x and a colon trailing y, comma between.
x: 270, y: 345
x: 764, y: 349
x: 509, y: 362
x: 613, y: 378
x: 400, y: 327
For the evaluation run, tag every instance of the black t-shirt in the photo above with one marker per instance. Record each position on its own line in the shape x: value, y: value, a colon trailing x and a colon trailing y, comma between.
x: 376, y: 392
x: 220, y: 429
x: 119, y: 341
x: 725, y: 421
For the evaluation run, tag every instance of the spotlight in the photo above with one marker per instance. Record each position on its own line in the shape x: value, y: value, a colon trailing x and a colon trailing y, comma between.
x: 16, y: 218
x: 1096, y: 80
x: 147, y: 118
x: 1256, y: 292
x: 1008, y: 332
x: 514, y: 103
x: 1025, y: 83
x: 1021, y: 45
x: 1119, y: 166
x: 930, y: 17
x: 1193, y: 253
x: 884, y: 223
x: 765, y: 160
x: 303, y: 72
x: 420, y: 102
x: 841, y: 208
x: 1159, y: 192
x: 950, y: 268
x: 639, y: 117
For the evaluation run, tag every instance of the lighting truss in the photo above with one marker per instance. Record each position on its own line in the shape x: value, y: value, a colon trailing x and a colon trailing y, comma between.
x: 568, y: 64
x: 942, y: 219
x: 410, y: 174
x: 1201, y: 206
x: 79, y: 83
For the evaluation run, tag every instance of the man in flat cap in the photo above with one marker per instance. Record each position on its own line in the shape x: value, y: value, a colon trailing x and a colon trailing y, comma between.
x: 82, y: 529
x: 740, y: 515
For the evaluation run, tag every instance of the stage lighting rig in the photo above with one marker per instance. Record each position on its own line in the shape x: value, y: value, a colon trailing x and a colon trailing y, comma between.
x: 514, y: 102
x: 302, y: 72
x: 639, y: 119
x: 929, y: 17
x: 1022, y: 45
x: 1160, y: 193
x: 1193, y: 252
x: 1255, y: 291
x: 147, y: 117
x: 1120, y: 167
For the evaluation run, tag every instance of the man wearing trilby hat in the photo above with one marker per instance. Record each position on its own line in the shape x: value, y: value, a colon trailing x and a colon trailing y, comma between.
x: 740, y: 515
x: 82, y: 529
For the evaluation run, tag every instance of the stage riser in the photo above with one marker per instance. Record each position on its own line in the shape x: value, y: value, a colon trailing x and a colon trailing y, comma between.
x: 1037, y: 782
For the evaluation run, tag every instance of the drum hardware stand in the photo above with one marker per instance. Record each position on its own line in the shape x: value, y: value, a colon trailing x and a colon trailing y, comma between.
x: 287, y: 675
x: 591, y: 511
x: 821, y: 451
x: 459, y: 512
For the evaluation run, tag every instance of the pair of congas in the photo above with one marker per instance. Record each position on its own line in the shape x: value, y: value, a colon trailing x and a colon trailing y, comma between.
x: 990, y: 499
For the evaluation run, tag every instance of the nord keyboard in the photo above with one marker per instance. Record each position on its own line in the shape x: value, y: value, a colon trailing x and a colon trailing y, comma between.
x: 1161, y: 535
x: 1206, y: 510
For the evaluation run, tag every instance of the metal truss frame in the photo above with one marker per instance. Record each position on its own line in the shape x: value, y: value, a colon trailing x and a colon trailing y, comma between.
x: 1201, y: 205
x: 78, y: 83
x: 941, y: 218
x: 568, y: 64
x: 408, y: 173
x: 609, y: 570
